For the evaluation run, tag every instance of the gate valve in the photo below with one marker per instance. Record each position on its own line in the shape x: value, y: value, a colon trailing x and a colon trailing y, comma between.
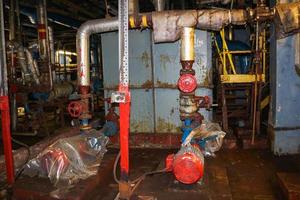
x: 75, y: 108
x: 187, y: 83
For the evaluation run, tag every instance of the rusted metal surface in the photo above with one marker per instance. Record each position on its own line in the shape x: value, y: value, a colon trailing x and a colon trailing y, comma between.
x: 287, y: 19
x: 154, y: 70
x: 290, y: 185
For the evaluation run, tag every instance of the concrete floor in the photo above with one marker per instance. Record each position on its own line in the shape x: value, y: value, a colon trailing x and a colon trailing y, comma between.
x: 232, y: 174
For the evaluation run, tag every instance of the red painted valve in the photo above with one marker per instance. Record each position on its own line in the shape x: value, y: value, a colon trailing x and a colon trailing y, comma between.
x: 187, y: 165
x: 187, y: 83
x: 75, y: 108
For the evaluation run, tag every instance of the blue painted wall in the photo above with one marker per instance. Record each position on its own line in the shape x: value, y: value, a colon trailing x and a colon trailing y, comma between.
x: 154, y: 71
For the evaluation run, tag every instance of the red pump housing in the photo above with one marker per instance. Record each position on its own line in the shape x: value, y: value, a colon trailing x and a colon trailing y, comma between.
x: 187, y: 165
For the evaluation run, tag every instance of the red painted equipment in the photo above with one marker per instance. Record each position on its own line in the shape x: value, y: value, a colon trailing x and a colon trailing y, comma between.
x: 187, y: 83
x: 5, y: 118
x: 187, y: 165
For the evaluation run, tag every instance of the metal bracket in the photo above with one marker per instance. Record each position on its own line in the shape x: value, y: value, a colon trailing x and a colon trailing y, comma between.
x: 118, y: 97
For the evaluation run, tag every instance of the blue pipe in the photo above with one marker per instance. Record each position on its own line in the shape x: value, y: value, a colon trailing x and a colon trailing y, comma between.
x: 186, y: 129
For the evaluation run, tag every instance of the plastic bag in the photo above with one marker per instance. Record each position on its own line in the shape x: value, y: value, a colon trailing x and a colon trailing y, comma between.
x: 68, y: 160
x: 209, y: 136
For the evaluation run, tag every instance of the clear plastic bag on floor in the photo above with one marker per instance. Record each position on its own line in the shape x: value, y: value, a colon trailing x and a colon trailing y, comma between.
x: 209, y: 136
x: 70, y: 159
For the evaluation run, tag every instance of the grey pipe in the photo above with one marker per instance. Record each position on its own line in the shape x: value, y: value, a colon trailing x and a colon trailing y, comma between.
x: 12, y: 30
x: 166, y: 28
x: 83, y: 45
x: 32, y: 66
x: 159, y: 5
x: 43, y: 50
x: 22, y: 62
x: 3, y: 67
x: 51, y: 45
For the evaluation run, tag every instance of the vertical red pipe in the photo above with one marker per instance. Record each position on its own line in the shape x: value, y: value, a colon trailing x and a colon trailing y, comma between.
x: 6, y: 137
x: 124, y: 133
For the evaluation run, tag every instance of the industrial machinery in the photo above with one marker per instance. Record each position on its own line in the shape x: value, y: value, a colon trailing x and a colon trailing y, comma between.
x: 199, y: 137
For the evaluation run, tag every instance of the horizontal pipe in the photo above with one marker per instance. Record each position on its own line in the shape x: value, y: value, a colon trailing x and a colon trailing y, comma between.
x: 162, y: 22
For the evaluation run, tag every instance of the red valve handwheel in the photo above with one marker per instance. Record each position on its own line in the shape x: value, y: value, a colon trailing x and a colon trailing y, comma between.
x: 187, y: 83
x: 75, y: 108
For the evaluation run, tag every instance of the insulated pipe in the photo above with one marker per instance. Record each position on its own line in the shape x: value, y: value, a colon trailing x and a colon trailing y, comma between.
x: 32, y: 66
x: 42, y: 30
x: 43, y: 37
x: 187, y: 49
x: 83, y: 45
x: 22, y: 62
x: 51, y: 45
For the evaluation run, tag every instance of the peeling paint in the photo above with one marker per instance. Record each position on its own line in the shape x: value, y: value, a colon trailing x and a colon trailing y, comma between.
x: 147, y: 85
x: 163, y: 126
x: 161, y: 84
x: 146, y: 59
x: 139, y: 126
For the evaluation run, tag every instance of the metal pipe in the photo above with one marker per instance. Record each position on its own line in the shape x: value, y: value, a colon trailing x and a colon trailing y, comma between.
x: 51, y: 45
x: 133, y: 7
x: 43, y: 37
x: 187, y: 50
x: 22, y: 62
x: 164, y: 30
x: 4, y: 104
x: 12, y: 30
x: 83, y: 45
x: 32, y: 65
x: 159, y: 5
x: 42, y: 30
x: 61, y: 90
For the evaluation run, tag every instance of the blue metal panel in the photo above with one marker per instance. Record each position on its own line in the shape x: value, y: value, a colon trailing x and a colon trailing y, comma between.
x: 159, y: 111
x: 140, y: 72
x: 285, y: 97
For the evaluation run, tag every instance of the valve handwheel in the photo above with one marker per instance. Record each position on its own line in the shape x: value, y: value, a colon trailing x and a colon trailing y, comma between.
x: 187, y: 83
x: 75, y: 108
